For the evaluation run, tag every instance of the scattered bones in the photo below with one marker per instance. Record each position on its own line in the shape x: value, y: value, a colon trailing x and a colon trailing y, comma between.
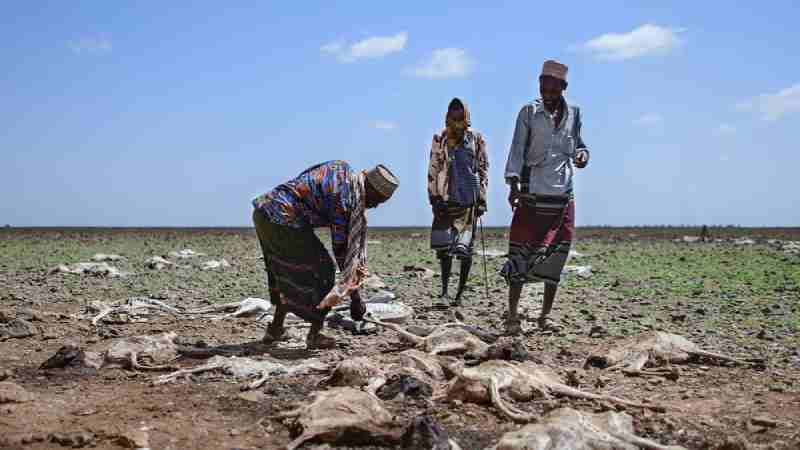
x: 89, y: 268
x: 566, y: 428
x: 243, y: 368
x: 523, y: 382
x: 129, y: 307
x: 249, y: 307
x: 653, y: 349
x: 343, y: 415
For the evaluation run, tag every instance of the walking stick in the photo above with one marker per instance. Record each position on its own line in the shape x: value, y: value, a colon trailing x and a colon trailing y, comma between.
x: 485, y: 273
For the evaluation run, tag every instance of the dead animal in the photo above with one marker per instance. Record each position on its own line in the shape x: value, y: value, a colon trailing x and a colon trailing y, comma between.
x: 357, y: 372
x: 523, y: 382
x: 127, y: 352
x: 249, y: 307
x: 158, y: 263
x: 444, y: 339
x: 566, y: 428
x: 129, y: 306
x: 98, y: 269
x: 243, y: 368
x: 343, y: 416
x: 639, y: 355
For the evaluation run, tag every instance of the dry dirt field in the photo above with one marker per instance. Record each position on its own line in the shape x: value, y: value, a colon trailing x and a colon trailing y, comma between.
x: 738, y: 295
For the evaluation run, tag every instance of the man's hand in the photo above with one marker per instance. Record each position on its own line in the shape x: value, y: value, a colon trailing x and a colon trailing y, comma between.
x: 331, y: 300
x: 581, y: 159
x: 513, y: 193
x: 481, y: 209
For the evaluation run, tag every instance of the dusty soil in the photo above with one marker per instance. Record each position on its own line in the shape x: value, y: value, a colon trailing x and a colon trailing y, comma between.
x: 742, y: 300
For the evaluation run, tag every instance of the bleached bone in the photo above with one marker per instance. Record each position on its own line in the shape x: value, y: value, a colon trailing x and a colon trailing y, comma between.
x: 126, y: 352
x: 213, y: 264
x: 242, y: 368
x: 444, y: 339
x: 128, y: 306
x: 343, y: 415
x: 248, y: 307
x: 650, y: 349
x: 523, y: 382
x: 186, y: 253
x: 566, y: 428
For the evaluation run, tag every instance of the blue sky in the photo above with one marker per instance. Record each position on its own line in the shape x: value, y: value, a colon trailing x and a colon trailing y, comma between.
x: 148, y: 114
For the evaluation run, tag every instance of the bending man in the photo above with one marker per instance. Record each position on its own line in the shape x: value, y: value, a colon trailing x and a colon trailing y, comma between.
x: 547, y: 142
x: 300, y: 272
x: 457, y: 192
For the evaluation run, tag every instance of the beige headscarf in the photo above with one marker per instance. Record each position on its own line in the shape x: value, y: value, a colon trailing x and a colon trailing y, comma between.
x: 455, y: 130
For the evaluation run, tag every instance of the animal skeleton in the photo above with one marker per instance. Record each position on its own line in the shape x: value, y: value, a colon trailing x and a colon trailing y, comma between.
x: 248, y: 307
x: 523, y: 382
x: 343, y: 414
x: 568, y: 429
x: 240, y: 367
x: 129, y: 306
x: 653, y: 348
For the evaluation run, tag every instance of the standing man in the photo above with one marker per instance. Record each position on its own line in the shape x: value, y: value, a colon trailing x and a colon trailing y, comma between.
x: 457, y: 193
x: 300, y: 272
x: 547, y: 144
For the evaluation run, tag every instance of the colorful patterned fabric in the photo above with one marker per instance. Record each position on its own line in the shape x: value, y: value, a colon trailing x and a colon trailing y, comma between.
x: 321, y: 196
x: 300, y: 271
x: 541, y: 236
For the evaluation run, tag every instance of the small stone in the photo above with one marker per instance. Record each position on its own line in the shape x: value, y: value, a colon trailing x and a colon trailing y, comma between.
x: 764, y: 422
x: 17, y: 328
x: 134, y: 439
x: 5, y: 374
x: 252, y: 396
x: 655, y: 381
x: 14, y: 393
x: 76, y: 439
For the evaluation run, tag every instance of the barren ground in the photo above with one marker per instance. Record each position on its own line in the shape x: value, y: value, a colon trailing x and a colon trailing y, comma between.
x: 739, y: 299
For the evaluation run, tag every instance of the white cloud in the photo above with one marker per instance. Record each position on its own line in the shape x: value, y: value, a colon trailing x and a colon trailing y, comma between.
x: 445, y: 63
x: 384, y: 125
x: 724, y: 129
x: 646, y: 40
x: 91, y: 45
x: 774, y: 106
x: 649, y: 120
x: 369, y: 48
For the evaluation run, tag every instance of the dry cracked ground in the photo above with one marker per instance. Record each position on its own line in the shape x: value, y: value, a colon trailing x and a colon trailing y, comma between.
x: 738, y: 295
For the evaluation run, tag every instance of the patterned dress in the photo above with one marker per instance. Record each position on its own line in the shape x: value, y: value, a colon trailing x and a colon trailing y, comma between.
x: 299, y: 269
